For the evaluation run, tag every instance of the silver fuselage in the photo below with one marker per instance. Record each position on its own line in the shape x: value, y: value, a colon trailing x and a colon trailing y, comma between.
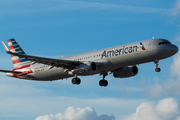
x: 113, y: 58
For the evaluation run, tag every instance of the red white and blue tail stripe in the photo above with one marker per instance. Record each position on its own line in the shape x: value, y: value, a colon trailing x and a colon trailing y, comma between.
x: 17, y: 61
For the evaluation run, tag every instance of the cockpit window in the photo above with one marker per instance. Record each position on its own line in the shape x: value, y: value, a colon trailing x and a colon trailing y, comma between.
x: 162, y: 43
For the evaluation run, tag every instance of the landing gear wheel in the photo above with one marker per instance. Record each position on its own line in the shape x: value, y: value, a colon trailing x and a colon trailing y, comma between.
x: 76, y: 81
x: 103, y: 83
x: 158, y: 69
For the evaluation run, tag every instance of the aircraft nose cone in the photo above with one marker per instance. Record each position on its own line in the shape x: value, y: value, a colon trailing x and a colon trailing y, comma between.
x: 174, y: 49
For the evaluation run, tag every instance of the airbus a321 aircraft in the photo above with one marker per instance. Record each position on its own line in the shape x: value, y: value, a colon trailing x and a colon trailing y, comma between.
x: 120, y: 60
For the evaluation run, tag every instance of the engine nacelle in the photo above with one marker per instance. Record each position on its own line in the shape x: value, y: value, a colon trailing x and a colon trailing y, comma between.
x: 85, y: 69
x: 126, y: 72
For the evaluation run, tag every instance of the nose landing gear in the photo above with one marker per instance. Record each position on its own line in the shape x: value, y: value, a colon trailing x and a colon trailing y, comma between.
x: 156, y: 63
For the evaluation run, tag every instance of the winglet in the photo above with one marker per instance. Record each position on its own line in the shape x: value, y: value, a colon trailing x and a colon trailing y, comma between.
x: 5, y: 47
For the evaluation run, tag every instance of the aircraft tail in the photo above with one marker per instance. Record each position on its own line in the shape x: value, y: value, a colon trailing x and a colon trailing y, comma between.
x: 17, y: 61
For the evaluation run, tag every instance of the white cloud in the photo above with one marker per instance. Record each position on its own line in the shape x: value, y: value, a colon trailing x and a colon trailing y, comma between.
x: 177, y: 36
x: 155, y: 90
x: 72, y: 113
x: 170, y: 87
x: 176, y: 8
x: 39, y: 105
x: 27, y: 100
x: 175, y: 67
x: 166, y: 109
x: 178, y: 118
x: 25, y: 90
x: 102, y: 6
x: 31, y: 6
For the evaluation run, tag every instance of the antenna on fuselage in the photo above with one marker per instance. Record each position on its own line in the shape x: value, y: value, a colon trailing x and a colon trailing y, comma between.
x: 152, y: 37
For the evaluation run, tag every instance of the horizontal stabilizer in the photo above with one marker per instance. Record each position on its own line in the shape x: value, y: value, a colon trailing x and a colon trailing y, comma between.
x: 8, y: 71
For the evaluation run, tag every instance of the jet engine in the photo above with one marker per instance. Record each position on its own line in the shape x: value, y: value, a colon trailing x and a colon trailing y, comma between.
x: 124, y: 72
x: 85, y: 69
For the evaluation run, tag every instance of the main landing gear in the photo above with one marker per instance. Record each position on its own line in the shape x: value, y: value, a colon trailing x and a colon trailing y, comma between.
x: 156, y: 63
x: 76, y: 81
x: 103, y: 82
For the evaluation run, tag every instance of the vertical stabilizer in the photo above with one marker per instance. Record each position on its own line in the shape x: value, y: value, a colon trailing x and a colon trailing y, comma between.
x: 17, y: 61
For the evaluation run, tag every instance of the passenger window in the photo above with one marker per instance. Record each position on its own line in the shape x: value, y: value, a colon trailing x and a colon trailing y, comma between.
x: 160, y: 43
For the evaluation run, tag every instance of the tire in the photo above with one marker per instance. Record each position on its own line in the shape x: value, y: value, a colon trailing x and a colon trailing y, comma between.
x: 103, y: 83
x: 158, y: 69
x: 74, y: 81
x: 78, y: 81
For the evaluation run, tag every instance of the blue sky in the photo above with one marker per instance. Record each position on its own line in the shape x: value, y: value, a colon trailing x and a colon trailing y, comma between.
x: 55, y: 28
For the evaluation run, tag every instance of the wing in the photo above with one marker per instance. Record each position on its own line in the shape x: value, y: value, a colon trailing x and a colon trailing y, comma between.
x: 67, y: 64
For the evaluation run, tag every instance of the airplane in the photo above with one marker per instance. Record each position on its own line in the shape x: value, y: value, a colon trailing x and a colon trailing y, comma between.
x: 121, y: 61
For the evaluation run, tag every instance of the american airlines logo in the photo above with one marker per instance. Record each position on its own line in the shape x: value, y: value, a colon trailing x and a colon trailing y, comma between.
x: 124, y: 50
x: 142, y: 46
